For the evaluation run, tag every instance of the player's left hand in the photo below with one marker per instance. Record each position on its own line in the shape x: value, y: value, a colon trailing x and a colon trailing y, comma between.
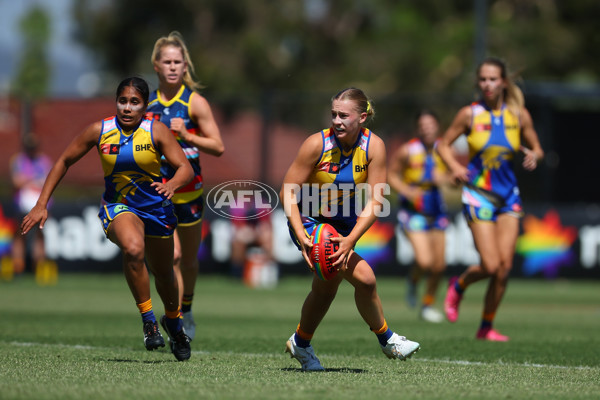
x: 342, y: 255
x: 164, y: 189
x: 530, y: 160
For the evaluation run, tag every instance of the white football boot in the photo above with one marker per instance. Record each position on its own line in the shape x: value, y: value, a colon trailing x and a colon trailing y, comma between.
x: 306, y: 356
x: 400, y: 347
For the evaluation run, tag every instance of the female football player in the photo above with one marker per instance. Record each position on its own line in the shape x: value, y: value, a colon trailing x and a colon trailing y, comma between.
x: 416, y: 173
x: 495, y: 127
x: 338, y: 161
x: 178, y: 105
x: 136, y: 213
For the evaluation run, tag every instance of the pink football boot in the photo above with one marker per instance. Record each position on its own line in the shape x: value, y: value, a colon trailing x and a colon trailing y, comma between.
x: 491, y: 335
x: 452, y: 301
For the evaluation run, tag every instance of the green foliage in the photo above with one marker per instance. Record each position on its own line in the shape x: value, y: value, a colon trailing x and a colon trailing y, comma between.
x: 83, y: 339
x: 243, y: 47
x: 33, y: 74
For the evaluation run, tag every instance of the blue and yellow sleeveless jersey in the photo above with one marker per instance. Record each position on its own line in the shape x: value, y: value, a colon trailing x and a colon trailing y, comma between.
x: 131, y: 164
x: 419, y: 171
x: 337, y: 174
x: 178, y: 107
x: 493, y: 141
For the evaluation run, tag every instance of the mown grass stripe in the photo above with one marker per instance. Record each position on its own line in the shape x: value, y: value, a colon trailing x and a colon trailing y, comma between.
x: 271, y: 355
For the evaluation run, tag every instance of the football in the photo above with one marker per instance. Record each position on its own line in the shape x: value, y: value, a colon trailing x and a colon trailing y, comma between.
x: 322, y: 248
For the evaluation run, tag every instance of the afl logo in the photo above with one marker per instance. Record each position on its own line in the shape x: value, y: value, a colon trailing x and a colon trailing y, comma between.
x: 242, y: 199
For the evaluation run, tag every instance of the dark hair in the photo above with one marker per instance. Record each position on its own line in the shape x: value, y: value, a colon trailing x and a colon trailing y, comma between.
x: 426, y: 111
x: 364, y: 105
x: 138, y: 84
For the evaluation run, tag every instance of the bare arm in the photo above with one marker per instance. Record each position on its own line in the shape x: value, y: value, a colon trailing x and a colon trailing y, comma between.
x: 208, y: 139
x: 297, y: 175
x: 172, y: 151
x: 460, y: 125
x: 534, y: 153
x: 78, y: 147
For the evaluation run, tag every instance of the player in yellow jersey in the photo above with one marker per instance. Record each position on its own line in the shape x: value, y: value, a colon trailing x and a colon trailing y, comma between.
x: 136, y: 214
x: 337, y: 161
x: 416, y: 174
x: 178, y: 105
x: 495, y: 127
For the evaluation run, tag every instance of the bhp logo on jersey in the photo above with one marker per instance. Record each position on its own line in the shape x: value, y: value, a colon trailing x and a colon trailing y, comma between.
x: 142, y: 147
x: 242, y: 199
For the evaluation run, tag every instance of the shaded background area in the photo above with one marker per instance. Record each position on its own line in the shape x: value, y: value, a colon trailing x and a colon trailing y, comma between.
x: 270, y: 68
x: 260, y: 144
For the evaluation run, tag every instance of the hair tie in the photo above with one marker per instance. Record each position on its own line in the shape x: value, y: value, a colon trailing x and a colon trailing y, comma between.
x: 368, y: 106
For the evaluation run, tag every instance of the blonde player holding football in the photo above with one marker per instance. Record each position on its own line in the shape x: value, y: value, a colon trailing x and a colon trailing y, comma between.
x: 346, y: 155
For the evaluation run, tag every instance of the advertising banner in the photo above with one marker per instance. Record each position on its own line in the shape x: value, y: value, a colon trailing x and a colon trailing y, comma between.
x: 555, y: 241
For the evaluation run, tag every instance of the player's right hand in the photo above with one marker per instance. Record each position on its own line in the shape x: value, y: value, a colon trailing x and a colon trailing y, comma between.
x: 38, y: 214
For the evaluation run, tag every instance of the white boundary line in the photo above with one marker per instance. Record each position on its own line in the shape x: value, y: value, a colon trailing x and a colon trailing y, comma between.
x: 270, y: 355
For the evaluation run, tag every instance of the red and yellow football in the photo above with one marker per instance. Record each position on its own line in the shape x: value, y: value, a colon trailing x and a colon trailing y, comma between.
x: 322, y: 248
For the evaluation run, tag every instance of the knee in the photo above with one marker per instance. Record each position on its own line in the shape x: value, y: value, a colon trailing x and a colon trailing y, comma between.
x: 491, y: 266
x: 367, y: 287
x: 498, y: 269
x: 177, y: 256
x: 503, y: 271
x: 133, y: 250
x: 425, y: 264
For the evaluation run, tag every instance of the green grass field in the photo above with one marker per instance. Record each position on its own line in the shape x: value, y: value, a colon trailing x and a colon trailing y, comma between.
x: 82, y: 339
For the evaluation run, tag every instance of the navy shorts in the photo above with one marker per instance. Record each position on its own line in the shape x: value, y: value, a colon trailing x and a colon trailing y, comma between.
x: 190, y: 213
x: 158, y: 222
x: 479, y: 205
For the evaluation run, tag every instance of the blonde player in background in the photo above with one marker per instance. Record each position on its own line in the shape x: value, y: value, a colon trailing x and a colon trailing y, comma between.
x: 495, y: 127
x: 178, y: 105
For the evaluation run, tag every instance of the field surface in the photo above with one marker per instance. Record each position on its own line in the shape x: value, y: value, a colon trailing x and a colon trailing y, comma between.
x: 82, y: 339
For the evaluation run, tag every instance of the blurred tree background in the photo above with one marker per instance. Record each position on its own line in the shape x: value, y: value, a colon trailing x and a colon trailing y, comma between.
x: 33, y: 77
x: 288, y: 57
x: 285, y: 59
x: 387, y: 46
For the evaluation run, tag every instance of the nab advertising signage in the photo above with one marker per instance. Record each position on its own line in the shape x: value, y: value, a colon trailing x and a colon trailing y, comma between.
x: 554, y: 242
